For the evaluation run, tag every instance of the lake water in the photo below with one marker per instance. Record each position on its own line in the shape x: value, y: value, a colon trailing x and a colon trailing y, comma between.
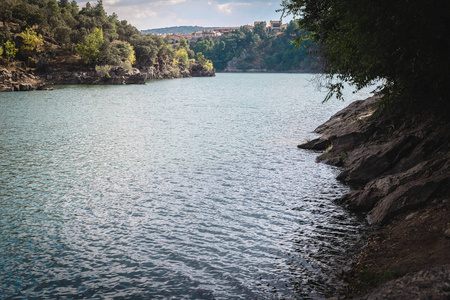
x: 182, y: 189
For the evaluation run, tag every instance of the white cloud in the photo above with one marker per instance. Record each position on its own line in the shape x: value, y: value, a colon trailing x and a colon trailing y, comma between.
x: 226, y: 8
x: 167, y: 2
x: 111, y: 2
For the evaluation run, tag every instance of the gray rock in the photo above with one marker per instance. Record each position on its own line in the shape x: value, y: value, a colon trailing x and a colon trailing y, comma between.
x: 426, y: 284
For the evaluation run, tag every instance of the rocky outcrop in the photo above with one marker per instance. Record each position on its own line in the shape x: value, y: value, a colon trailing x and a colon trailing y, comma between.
x: 163, y: 70
x: 116, y: 75
x: 426, y: 284
x: 396, y: 163
x: 19, y: 80
x: 196, y: 70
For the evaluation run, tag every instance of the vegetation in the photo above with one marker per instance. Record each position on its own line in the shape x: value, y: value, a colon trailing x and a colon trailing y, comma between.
x: 405, y: 44
x: 10, y: 50
x: 89, y: 50
x: 88, y: 34
x: 258, y: 49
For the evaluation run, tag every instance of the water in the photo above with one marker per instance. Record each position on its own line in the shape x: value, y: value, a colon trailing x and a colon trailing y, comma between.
x: 184, y: 189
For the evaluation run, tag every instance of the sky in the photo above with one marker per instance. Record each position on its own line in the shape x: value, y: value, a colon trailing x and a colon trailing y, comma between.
x: 149, y: 14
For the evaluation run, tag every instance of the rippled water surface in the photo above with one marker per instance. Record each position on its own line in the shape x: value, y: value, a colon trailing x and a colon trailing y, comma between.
x: 189, y: 188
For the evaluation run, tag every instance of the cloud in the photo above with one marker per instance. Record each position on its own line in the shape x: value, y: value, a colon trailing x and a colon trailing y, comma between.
x: 166, y: 2
x: 145, y: 14
x: 227, y: 8
x: 111, y: 2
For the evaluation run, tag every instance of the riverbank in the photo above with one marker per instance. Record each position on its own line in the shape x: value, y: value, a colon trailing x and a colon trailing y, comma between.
x: 399, y: 166
x: 20, y: 78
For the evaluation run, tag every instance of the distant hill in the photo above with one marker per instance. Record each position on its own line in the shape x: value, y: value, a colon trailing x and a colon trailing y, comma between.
x: 177, y: 29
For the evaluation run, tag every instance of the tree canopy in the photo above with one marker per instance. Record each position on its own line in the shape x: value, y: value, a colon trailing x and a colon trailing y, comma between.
x: 260, y: 49
x: 404, y: 43
x: 49, y: 29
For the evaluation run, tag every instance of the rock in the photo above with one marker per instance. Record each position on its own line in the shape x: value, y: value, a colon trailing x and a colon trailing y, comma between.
x: 410, y: 216
x: 18, y: 80
x: 426, y: 284
x: 447, y: 233
x: 394, y: 164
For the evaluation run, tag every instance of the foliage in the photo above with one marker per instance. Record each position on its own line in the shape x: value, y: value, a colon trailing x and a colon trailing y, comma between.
x: 258, y: 49
x: 182, y: 57
x: 1, y: 50
x: 10, y: 50
x: 90, y: 49
x: 99, y: 38
x: 403, y: 43
x: 31, y: 42
x: 126, y: 52
x: 205, y: 63
x: 103, y: 70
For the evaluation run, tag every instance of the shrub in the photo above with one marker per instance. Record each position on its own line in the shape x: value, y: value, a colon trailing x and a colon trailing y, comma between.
x: 103, y: 70
x: 10, y: 50
x: 90, y: 49
x: 182, y: 57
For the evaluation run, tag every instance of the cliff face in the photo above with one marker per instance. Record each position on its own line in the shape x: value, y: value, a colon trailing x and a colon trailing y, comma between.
x: 116, y: 75
x: 19, y: 80
x: 399, y: 167
x: 22, y: 80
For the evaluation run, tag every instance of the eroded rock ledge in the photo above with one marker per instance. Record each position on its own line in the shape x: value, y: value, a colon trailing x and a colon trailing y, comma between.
x: 20, y: 79
x: 399, y: 167
x: 396, y: 163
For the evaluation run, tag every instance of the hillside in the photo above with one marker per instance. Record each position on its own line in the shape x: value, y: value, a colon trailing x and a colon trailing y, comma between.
x: 60, y: 42
x: 259, y: 50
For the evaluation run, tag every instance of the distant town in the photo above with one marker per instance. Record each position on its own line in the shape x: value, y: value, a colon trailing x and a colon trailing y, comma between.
x: 273, y: 27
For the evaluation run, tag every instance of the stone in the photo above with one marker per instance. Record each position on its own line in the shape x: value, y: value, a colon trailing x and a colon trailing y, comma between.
x: 447, y: 233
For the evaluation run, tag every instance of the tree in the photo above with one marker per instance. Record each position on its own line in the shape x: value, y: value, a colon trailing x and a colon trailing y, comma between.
x: 403, y: 43
x: 10, y: 50
x: 90, y: 49
x: 31, y: 42
x: 126, y: 52
x: 182, y: 57
x: 260, y: 29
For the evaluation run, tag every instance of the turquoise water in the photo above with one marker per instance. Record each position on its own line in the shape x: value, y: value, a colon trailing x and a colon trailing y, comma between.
x: 183, y: 189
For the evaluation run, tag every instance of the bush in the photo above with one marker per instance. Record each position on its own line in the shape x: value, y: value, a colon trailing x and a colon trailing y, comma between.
x: 10, y: 50
x: 103, y: 70
x: 90, y: 49
x: 403, y: 43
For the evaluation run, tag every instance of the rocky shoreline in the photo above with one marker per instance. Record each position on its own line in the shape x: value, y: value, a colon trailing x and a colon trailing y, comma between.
x: 21, y: 79
x: 399, y: 167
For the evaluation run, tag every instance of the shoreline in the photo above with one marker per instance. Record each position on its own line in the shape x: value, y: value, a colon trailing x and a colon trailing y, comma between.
x: 398, y: 166
x: 22, y: 79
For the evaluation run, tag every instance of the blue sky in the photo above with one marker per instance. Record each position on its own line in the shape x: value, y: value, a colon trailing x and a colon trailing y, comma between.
x: 147, y: 14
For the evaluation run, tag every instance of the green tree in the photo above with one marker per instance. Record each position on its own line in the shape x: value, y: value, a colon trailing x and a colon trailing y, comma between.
x: 31, y: 42
x: 10, y: 50
x: 403, y: 43
x: 182, y: 57
x: 260, y: 29
x: 90, y: 49
x: 126, y: 52
x: 1, y: 50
